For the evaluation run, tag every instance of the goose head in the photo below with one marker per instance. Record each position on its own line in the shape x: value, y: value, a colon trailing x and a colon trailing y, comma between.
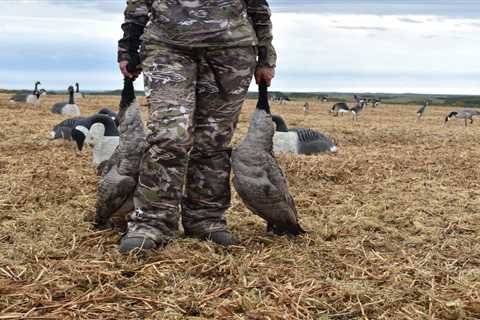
x: 449, y: 116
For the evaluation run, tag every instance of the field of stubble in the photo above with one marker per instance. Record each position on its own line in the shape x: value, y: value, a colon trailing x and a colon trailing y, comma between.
x: 394, y: 220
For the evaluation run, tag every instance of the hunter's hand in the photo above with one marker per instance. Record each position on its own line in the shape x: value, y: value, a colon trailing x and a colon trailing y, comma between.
x: 264, y: 73
x: 123, y: 68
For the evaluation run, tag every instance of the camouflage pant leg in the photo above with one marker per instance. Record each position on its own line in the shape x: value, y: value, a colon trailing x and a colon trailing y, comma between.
x: 170, y: 77
x: 223, y: 80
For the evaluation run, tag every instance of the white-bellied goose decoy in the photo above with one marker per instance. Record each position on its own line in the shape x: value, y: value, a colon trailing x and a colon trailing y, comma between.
x: 67, y: 108
x: 119, y: 174
x: 422, y: 110
x: 462, y: 114
x: 258, y: 178
x: 30, y: 98
x: 340, y: 107
x: 299, y: 140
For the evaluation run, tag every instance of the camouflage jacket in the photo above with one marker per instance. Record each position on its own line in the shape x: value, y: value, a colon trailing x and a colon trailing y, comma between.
x: 198, y: 24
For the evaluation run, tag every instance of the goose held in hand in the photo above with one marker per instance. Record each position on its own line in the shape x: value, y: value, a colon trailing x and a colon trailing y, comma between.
x: 119, y: 175
x: 258, y: 178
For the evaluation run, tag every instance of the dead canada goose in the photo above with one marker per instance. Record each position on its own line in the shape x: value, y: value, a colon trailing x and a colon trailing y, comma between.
x: 463, y: 114
x: 299, y: 140
x: 120, y: 173
x: 258, y: 178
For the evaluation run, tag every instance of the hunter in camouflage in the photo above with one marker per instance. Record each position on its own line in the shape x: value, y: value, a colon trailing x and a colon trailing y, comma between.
x: 198, y: 58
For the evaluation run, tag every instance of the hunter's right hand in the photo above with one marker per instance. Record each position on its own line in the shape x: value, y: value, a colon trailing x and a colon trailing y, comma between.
x: 123, y: 68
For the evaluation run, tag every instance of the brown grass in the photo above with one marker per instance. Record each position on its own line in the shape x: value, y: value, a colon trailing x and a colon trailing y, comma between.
x: 393, y: 216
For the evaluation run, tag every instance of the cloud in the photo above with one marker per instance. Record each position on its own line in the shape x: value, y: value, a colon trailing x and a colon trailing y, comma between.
x: 61, y: 42
x: 362, y: 28
x: 410, y: 20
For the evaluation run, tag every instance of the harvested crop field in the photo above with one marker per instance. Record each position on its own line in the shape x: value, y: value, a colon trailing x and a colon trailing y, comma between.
x: 393, y: 217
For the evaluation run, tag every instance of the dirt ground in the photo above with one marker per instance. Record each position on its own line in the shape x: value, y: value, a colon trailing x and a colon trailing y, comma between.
x: 393, y: 218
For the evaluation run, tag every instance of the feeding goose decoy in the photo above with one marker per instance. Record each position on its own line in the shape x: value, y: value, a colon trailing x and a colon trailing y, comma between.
x: 99, y: 131
x: 63, y: 130
x: 119, y: 175
x: 258, y: 178
x: 462, y: 114
x: 340, y: 107
x: 299, y: 140
x: 67, y: 108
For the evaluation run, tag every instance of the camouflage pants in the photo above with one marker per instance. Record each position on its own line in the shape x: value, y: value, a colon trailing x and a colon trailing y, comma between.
x: 194, y: 99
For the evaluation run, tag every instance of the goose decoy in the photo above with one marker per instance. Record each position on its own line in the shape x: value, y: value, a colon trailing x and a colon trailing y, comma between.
x: 30, y: 98
x: 306, y: 107
x: 340, y: 107
x: 299, y: 140
x: 109, y: 112
x: 462, y: 114
x: 422, y: 110
x: 358, y: 108
x: 119, y: 175
x: 258, y: 178
x: 63, y: 130
x: 78, y: 94
x: 67, y: 108
x: 81, y: 132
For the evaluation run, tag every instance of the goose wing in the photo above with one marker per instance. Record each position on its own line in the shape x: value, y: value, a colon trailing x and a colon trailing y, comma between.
x: 313, y: 142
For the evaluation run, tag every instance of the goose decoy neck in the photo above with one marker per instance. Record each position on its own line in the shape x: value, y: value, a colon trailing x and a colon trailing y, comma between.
x: 77, y: 86
x: 280, y: 124
x: 262, y: 103
x: 70, y: 93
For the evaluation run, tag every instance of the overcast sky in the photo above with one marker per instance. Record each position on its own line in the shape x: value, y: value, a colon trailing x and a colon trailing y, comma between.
x: 339, y: 45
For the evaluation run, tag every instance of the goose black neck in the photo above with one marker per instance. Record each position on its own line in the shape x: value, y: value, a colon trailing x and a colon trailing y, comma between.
x: 128, y: 93
x: 78, y: 87
x: 280, y: 124
x: 262, y: 103
x: 35, y: 90
x: 71, y: 100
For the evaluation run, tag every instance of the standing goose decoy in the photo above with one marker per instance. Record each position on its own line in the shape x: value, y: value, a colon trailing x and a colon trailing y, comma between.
x: 358, y: 108
x: 119, y: 175
x: 306, y: 107
x: 78, y: 94
x: 340, y: 107
x: 422, y: 110
x: 299, y: 140
x: 258, y: 178
x: 463, y: 114
x: 67, y: 108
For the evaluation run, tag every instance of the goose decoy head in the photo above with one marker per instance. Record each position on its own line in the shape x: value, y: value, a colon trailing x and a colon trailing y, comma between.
x: 71, y: 89
x: 280, y: 124
x: 79, y: 135
x: 450, y: 115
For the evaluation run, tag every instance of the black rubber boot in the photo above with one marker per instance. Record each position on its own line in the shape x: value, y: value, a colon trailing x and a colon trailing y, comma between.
x: 223, y: 238
x: 128, y: 244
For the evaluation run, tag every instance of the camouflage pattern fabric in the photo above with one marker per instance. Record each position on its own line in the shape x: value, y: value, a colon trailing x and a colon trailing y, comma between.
x: 198, y: 24
x: 194, y: 99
